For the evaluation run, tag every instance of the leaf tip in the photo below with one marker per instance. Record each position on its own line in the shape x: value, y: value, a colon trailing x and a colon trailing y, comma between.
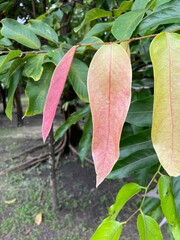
x: 99, y: 180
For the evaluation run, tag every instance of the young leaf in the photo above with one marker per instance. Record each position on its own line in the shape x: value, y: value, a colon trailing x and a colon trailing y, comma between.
x: 165, y: 52
x: 109, y: 88
x: 168, y: 205
x: 42, y: 29
x: 125, y: 193
x: 126, y: 23
x: 20, y: 33
x: 148, y: 228
x: 73, y: 119
x: 36, y: 91
x: 55, y: 90
x: 93, y: 14
x: 108, y: 230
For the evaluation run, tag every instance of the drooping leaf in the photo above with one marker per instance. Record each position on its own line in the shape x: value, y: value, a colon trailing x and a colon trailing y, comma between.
x: 55, y: 90
x: 124, y: 6
x: 125, y: 193
x: 139, y: 4
x: 43, y: 29
x: 139, y: 160
x: 148, y: 228
x: 78, y: 79
x: 140, y: 112
x: 176, y: 193
x: 73, y: 119
x: 37, y: 91
x: 165, y: 14
x: 6, y: 58
x: 168, y: 204
x: 33, y: 68
x: 20, y: 33
x: 98, y: 29
x: 165, y: 52
x: 108, y: 230
x: 14, y: 79
x: 93, y: 14
x: 109, y: 88
x: 126, y: 23
x: 86, y: 139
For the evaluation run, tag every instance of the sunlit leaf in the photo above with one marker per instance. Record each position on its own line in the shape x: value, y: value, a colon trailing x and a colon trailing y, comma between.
x: 148, y: 228
x: 55, y: 90
x: 126, y: 23
x: 93, y: 14
x: 109, y: 88
x: 165, y: 52
x: 20, y: 33
x: 168, y: 205
x: 108, y: 230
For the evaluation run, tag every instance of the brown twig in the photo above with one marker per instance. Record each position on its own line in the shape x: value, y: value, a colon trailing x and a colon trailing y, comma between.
x: 75, y: 152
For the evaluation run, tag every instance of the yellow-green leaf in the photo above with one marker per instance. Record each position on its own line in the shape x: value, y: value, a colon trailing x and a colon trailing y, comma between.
x: 165, y: 52
x: 38, y: 219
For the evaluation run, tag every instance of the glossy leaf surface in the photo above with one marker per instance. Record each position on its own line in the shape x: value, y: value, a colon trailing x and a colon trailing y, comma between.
x: 165, y: 52
x: 109, y: 88
x: 165, y: 14
x: 108, y: 230
x: 55, y: 90
x: 93, y: 14
x: 126, y: 23
x: 168, y: 204
x: 20, y: 33
x: 148, y: 228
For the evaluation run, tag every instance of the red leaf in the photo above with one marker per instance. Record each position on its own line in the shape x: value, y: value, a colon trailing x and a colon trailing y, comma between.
x: 109, y: 88
x: 55, y: 90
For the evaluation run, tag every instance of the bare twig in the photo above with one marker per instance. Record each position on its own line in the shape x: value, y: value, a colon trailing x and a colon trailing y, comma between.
x: 75, y: 152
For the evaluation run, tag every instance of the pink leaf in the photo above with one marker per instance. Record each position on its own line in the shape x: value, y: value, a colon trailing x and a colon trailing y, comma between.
x: 55, y: 90
x: 109, y: 88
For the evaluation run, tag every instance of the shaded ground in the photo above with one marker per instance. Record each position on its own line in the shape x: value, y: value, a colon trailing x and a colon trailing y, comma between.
x: 81, y: 205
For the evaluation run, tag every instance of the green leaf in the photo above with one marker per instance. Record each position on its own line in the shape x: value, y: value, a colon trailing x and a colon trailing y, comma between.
x: 98, y: 29
x: 73, y: 119
x: 150, y: 204
x: 125, y: 193
x: 140, y: 112
x: 93, y: 14
x: 138, y: 160
x: 148, y: 228
x: 20, y: 33
x: 6, y: 58
x: 14, y: 79
x: 33, y: 68
x: 126, y: 23
x: 78, y: 79
x: 169, y: 13
x: 135, y: 143
x: 124, y: 6
x: 161, y: 2
x: 139, y: 4
x: 86, y: 139
x: 44, y: 30
x: 37, y: 91
x: 108, y: 230
x: 168, y: 205
x: 176, y: 193
x: 5, y: 42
